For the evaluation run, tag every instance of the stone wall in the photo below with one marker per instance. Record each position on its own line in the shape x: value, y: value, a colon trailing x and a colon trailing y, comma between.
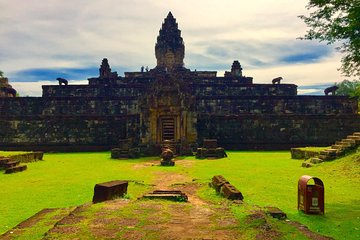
x: 77, y: 123
x: 68, y: 106
x: 276, y: 131
x: 118, y: 90
x: 233, y: 105
x: 68, y: 132
x: 226, y: 87
x: 70, y: 123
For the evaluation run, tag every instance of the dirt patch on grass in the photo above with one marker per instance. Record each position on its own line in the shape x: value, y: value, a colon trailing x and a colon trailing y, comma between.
x: 114, y: 205
x: 109, y: 227
x: 63, y: 230
x: 166, y: 180
x: 308, y: 233
x: 146, y: 164
x: 258, y: 221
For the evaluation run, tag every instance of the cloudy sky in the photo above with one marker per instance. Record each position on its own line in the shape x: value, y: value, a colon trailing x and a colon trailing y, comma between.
x: 42, y: 40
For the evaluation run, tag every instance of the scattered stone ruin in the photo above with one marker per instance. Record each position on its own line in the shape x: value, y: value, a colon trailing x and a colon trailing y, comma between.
x: 15, y: 163
x: 109, y: 190
x: 6, y: 90
x: 210, y: 149
x: 125, y: 150
x: 11, y: 166
x: 222, y: 186
x: 167, y: 157
x: 173, y: 103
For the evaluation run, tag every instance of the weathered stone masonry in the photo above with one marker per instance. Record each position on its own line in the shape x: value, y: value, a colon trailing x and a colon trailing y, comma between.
x: 171, y: 102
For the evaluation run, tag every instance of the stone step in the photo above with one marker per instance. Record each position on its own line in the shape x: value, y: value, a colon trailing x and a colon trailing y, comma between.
x: 339, y: 147
x: 355, y: 138
x: 173, y: 195
x: 344, y: 144
x: 167, y: 192
x: 167, y: 196
x: 329, y: 152
x: 19, y: 168
x: 4, y: 160
x: 326, y: 157
x: 356, y: 134
x: 11, y: 164
x: 349, y: 141
x: 316, y: 160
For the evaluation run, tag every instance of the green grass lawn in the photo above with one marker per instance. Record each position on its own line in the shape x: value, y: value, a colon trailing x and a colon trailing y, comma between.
x: 270, y: 179
x: 264, y: 178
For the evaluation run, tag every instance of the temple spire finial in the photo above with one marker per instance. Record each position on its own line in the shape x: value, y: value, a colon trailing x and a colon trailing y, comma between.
x: 170, y: 15
x: 169, y: 48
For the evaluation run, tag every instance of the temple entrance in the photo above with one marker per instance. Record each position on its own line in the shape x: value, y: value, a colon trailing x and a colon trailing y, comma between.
x: 168, y: 128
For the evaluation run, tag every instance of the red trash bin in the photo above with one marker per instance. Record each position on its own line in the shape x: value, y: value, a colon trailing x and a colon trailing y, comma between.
x: 310, y: 197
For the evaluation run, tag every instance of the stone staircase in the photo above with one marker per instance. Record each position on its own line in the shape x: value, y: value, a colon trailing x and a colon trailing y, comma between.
x: 336, y: 150
x: 11, y: 166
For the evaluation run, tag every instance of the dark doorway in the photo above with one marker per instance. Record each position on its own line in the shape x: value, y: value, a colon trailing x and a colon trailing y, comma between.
x: 168, y: 128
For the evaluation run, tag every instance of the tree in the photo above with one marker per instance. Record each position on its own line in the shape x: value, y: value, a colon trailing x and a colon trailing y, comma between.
x: 337, y: 21
x: 349, y: 88
x: 1, y: 73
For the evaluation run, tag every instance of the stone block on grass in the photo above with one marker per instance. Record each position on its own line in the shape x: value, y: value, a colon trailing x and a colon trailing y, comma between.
x: 109, y: 190
x: 218, y: 181
x: 230, y: 192
x: 276, y: 213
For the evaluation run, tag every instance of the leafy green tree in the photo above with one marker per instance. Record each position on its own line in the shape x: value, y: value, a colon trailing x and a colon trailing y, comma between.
x: 1, y: 74
x: 349, y: 88
x: 337, y: 21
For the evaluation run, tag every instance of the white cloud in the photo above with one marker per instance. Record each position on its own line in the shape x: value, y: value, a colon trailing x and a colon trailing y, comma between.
x: 26, y: 89
x: 52, y: 34
x: 324, y: 72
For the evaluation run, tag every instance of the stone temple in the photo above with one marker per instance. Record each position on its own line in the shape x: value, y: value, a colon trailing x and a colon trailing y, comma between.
x: 171, y: 102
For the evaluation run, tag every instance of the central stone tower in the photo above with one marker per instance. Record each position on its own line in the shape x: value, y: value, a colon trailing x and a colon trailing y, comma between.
x: 170, y: 49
